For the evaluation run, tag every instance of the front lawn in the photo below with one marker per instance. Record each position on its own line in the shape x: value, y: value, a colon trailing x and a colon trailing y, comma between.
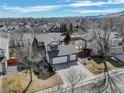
x: 95, y: 68
x: 17, y: 83
x: 115, y: 63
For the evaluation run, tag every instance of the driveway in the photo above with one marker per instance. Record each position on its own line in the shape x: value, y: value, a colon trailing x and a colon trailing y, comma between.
x: 64, y: 69
x: 12, y: 70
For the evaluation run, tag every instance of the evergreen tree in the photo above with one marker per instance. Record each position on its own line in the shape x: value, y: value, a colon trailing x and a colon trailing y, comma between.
x: 65, y: 30
x: 61, y: 28
x: 67, y: 38
x: 71, y: 28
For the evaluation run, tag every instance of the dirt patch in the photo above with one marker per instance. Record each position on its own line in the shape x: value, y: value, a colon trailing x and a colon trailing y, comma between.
x: 95, y: 68
x: 17, y: 83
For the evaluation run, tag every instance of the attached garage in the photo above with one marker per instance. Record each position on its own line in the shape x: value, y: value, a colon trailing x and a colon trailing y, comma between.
x: 59, y: 60
x: 73, y: 57
x: 62, y: 54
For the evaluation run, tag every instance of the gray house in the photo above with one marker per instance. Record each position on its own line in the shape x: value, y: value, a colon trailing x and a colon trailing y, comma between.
x: 56, y: 51
x: 4, y: 55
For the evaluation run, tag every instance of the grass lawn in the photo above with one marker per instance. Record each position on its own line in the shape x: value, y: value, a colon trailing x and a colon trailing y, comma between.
x: 0, y: 85
x: 95, y: 68
x: 17, y: 83
x: 115, y: 63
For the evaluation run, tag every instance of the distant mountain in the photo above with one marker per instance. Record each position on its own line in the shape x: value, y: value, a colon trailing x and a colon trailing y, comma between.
x: 119, y: 14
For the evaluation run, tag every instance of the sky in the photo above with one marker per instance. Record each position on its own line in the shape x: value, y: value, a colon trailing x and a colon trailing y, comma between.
x: 59, y: 8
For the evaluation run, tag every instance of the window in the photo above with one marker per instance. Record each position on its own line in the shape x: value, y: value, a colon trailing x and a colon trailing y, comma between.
x: 53, y: 47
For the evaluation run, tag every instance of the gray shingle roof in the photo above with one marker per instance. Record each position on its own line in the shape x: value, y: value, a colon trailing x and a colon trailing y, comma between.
x: 119, y: 56
x: 63, y: 50
x: 1, y: 58
x: 3, y: 43
x: 46, y: 38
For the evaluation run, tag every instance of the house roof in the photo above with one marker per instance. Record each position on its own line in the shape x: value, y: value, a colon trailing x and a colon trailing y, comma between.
x: 46, y: 38
x: 1, y: 58
x: 119, y: 56
x: 53, y: 43
x: 56, y: 36
x: 3, y: 43
x: 63, y: 50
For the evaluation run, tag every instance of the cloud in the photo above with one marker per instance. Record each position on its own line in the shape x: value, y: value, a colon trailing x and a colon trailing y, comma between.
x: 31, y: 8
x: 118, y: 1
x: 84, y: 3
x: 77, y: 0
x: 99, y: 11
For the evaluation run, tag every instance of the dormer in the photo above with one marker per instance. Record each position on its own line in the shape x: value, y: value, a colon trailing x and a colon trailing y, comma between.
x: 53, y: 46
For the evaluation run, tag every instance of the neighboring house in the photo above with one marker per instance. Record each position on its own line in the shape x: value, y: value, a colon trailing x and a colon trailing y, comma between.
x: 4, y: 54
x: 56, y: 52
x: 87, y: 40
x: 115, y: 43
x: 81, y: 41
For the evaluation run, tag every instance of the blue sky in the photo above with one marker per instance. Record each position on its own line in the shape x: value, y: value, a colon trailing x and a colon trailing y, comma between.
x: 59, y: 8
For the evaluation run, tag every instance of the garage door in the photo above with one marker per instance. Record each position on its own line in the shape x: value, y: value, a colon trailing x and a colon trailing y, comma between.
x: 60, y: 60
x: 73, y: 57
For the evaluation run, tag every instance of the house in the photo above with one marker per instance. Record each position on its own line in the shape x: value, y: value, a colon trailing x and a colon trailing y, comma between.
x: 115, y: 43
x: 87, y: 40
x: 56, y: 51
x: 82, y: 40
x: 4, y: 55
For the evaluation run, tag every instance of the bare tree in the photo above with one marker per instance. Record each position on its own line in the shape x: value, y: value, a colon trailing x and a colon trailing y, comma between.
x: 102, y: 36
x: 28, y: 63
x: 73, y: 78
x: 24, y: 58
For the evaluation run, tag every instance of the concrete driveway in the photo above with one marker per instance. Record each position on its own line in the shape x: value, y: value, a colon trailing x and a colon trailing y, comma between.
x: 12, y: 70
x: 64, y: 69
